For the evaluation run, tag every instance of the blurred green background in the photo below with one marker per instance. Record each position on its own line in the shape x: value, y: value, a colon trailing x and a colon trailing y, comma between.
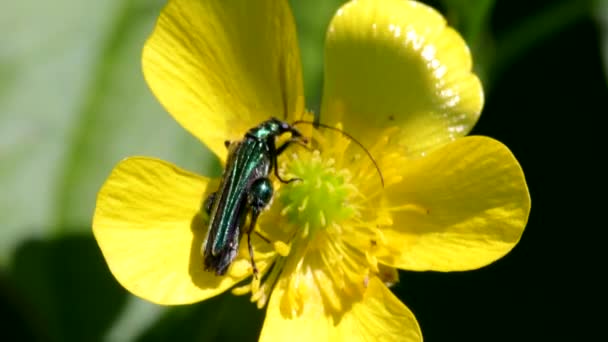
x: 73, y: 102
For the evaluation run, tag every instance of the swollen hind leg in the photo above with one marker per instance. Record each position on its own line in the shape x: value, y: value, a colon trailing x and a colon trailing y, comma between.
x: 260, y: 194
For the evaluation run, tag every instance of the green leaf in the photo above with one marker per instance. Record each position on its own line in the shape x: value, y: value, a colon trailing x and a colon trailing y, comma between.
x: 65, y: 288
x: 602, y: 18
x: 535, y: 28
x: 472, y: 20
x: 312, y: 18
x: 223, y: 318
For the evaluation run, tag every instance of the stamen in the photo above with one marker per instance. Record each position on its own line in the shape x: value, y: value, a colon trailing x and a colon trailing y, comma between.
x: 286, y: 209
x: 303, y: 205
x: 372, y: 262
x: 306, y: 230
x: 282, y: 248
x: 410, y: 207
x: 241, y: 290
x: 255, y: 285
x: 322, y: 218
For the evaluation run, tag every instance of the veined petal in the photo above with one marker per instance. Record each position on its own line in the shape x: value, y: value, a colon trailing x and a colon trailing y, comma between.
x: 149, y: 226
x: 462, y: 207
x: 379, y: 316
x: 395, y: 63
x: 221, y: 67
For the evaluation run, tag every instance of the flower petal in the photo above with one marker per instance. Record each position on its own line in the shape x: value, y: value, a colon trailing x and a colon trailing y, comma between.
x: 395, y: 63
x: 462, y: 207
x: 379, y: 316
x: 221, y: 67
x: 148, y: 225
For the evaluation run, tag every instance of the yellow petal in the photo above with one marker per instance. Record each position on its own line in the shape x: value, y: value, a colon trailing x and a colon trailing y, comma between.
x: 395, y: 63
x: 221, y: 67
x: 462, y: 207
x: 379, y: 316
x: 149, y: 229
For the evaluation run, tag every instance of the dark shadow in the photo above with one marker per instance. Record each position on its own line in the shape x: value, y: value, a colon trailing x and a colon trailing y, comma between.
x: 64, y: 289
x: 199, y: 226
x: 19, y: 319
x: 222, y: 318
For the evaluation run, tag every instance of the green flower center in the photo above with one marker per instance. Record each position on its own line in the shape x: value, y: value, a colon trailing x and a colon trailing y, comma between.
x: 323, y: 196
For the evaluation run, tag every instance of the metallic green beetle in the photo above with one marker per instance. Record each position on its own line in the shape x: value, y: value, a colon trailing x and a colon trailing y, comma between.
x: 245, y: 188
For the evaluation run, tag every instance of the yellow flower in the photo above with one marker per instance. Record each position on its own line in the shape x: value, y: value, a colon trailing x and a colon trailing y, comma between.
x: 399, y: 81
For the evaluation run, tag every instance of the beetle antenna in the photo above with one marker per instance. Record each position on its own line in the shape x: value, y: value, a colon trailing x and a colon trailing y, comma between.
x: 318, y: 124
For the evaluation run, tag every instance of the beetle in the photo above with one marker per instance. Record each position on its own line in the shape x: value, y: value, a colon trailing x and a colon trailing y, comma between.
x: 245, y: 189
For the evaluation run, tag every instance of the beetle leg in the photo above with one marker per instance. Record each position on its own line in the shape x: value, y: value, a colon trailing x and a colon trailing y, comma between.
x: 262, y: 237
x: 275, y: 152
x: 254, y: 218
x: 255, y: 212
x: 209, y: 202
x: 298, y: 140
x: 260, y: 194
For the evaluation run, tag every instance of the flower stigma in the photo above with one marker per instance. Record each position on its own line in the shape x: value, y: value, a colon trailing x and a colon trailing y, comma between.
x: 322, y: 199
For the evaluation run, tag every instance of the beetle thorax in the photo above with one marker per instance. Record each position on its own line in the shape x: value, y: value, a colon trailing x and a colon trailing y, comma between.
x: 265, y: 130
